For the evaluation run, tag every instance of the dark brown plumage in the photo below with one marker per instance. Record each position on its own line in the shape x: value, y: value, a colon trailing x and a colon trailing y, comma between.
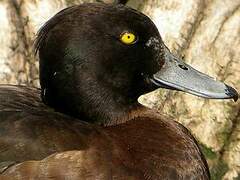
x: 85, y: 122
x: 148, y: 146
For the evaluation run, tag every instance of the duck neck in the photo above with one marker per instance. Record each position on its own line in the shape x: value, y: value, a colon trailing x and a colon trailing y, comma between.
x: 100, y: 107
x: 109, y: 112
x: 110, y: 115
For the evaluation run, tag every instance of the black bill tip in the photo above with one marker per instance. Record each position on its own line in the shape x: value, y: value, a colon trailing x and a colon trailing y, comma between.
x: 232, y: 93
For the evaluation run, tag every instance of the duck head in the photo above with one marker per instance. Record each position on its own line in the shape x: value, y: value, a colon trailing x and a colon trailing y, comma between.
x: 97, y: 59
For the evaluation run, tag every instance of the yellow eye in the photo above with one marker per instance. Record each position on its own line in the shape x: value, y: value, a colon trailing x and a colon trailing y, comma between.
x: 128, y: 38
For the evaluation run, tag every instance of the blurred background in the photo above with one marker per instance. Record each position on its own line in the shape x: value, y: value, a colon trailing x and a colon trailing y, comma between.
x: 205, y: 32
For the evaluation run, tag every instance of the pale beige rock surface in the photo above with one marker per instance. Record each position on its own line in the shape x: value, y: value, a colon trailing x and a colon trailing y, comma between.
x: 205, y: 32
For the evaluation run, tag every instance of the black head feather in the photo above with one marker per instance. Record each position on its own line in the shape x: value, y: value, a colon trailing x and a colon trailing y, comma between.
x: 83, y: 63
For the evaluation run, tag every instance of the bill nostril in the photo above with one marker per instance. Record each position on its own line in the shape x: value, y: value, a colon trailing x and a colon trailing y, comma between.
x: 183, y: 67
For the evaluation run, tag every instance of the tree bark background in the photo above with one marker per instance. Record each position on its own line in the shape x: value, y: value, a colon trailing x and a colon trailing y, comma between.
x: 205, y: 32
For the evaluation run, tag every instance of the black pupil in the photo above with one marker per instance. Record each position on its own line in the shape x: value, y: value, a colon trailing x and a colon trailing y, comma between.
x: 128, y: 37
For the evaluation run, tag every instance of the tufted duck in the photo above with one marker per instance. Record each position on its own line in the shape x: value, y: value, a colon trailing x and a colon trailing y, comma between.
x: 85, y: 122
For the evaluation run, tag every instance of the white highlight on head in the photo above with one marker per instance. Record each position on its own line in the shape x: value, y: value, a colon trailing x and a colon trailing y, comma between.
x: 153, y: 42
